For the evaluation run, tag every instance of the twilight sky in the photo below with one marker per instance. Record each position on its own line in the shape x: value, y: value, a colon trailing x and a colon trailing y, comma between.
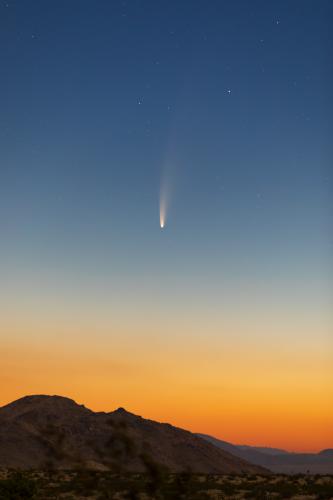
x: 221, y: 322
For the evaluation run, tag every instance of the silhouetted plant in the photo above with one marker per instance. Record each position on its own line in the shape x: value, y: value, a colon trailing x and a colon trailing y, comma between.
x: 17, y: 487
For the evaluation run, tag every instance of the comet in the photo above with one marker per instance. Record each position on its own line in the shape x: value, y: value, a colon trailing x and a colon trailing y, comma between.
x: 163, y: 203
x: 166, y: 191
x: 163, y: 206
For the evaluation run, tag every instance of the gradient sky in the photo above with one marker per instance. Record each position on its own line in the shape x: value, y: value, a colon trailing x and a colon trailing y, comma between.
x: 221, y: 322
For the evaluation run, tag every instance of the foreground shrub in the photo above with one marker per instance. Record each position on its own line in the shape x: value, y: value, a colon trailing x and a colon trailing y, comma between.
x: 17, y: 487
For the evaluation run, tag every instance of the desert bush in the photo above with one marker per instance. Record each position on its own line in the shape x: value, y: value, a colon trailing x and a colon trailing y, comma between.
x: 17, y: 487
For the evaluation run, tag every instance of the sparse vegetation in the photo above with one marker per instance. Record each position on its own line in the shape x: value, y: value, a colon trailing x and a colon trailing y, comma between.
x: 98, y: 485
x: 17, y: 486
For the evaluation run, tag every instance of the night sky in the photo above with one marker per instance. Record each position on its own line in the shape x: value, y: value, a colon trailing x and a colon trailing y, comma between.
x: 221, y: 322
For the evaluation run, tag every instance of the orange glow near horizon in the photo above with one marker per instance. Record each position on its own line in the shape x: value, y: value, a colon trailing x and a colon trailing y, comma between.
x: 227, y: 398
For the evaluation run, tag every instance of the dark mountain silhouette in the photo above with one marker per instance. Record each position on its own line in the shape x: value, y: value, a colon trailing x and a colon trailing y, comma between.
x: 326, y: 453
x: 246, y: 453
x: 55, y: 432
x: 279, y: 460
x: 263, y: 449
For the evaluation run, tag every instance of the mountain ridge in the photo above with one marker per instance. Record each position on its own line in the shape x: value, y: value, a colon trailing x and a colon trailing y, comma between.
x: 41, y: 431
x: 279, y: 461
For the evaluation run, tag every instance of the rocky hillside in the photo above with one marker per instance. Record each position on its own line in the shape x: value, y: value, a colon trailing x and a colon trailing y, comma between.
x: 52, y: 431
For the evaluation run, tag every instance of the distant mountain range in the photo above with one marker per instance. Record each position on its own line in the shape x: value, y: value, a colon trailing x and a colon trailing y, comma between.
x: 278, y: 460
x: 54, y: 432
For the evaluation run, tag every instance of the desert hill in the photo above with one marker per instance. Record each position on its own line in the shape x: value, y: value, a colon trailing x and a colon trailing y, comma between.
x: 53, y: 431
